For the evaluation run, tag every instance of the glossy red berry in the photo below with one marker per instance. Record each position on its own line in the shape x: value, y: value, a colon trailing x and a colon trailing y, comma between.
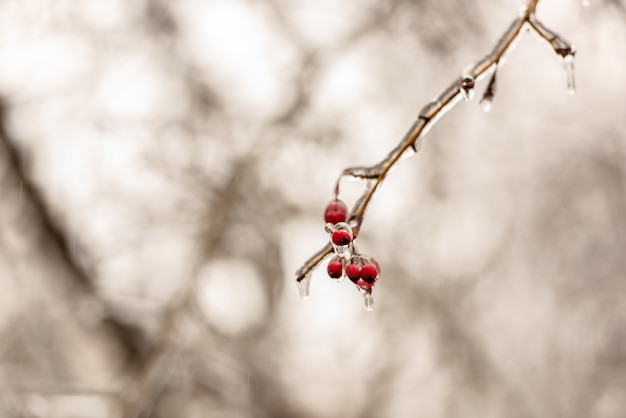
x: 364, y: 285
x: 341, y: 237
x: 335, y: 269
x: 368, y: 274
x: 353, y: 272
x: 336, y: 212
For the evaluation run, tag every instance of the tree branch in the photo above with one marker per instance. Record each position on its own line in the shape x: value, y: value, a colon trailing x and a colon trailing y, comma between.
x: 461, y: 88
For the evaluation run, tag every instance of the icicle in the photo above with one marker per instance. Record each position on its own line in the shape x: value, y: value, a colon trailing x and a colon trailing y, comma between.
x: 567, y: 53
x: 304, y: 286
x: 467, y: 87
x: 486, y: 103
x: 568, y: 67
x: 368, y: 300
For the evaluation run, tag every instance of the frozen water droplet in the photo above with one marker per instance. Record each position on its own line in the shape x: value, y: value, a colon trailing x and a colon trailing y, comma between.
x: 368, y: 300
x: 304, y: 286
x: 486, y: 103
x: 467, y: 87
x: 568, y: 67
x: 409, y: 152
x: 523, y: 10
x: 343, y: 250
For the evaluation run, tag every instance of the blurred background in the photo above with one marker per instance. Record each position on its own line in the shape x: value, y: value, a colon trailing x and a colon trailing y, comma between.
x: 164, y: 167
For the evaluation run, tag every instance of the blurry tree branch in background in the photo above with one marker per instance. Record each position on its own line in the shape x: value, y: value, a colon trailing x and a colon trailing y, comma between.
x: 45, y: 232
x: 36, y: 249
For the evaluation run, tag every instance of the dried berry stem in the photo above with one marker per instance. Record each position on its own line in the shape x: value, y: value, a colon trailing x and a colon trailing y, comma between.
x: 460, y: 88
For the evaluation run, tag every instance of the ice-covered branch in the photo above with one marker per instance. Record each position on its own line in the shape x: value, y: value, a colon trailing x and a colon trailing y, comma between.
x: 460, y: 89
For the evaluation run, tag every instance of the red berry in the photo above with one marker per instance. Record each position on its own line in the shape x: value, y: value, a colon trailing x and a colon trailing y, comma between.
x: 341, y: 237
x: 336, y: 212
x: 368, y: 274
x: 364, y: 285
x: 335, y: 269
x: 352, y: 271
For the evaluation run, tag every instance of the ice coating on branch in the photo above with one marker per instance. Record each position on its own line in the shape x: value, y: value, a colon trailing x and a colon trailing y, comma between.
x: 413, y: 137
x: 427, y: 111
x: 362, y: 172
x: 568, y: 67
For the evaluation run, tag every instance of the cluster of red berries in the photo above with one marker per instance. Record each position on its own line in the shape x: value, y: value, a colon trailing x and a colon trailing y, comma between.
x: 347, y: 261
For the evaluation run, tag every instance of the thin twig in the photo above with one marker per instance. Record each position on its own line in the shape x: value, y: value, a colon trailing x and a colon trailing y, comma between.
x: 460, y: 88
